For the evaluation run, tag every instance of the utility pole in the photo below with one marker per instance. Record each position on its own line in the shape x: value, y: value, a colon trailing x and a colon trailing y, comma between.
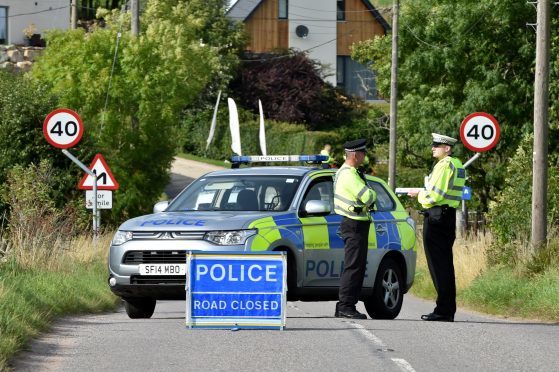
x: 74, y: 15
x: 541, y: 99
x: 393, y: 97
x: 135, y: 10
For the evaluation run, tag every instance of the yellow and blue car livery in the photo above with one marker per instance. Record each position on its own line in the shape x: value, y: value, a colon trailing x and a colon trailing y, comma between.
x: 287, y: 208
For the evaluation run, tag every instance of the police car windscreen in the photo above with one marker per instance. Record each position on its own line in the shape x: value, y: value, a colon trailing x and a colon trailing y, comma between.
x: 227, y: 193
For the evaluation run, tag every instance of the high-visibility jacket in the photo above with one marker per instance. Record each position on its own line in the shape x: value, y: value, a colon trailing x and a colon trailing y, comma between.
x: 330, y: 158
x: 445, y: 184
x: 352, y: 196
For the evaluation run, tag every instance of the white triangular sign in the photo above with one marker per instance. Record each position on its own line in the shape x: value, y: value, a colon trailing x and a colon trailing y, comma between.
x: 105, y: 178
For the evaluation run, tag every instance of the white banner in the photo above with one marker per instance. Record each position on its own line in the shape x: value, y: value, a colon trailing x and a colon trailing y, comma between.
x: 234, y: 127
x: 214, y: 121
x: 262, y: 131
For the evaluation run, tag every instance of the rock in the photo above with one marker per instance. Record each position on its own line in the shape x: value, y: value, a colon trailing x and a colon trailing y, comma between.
x: 24, y: 66
x: 31, y: 54
x: 8, y: 66
x: 15, y: 56
x: 3, y: 56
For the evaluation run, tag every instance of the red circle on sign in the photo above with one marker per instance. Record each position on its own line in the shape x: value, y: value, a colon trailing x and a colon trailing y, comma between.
x: 492, y: 140
x: 74, y: 138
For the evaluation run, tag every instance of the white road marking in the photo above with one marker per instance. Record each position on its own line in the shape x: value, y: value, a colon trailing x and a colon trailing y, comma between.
x: 403, y: 364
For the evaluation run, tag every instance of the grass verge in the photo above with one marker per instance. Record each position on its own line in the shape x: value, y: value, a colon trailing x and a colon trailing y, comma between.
x: 31, y: 297
x: 504, y: 291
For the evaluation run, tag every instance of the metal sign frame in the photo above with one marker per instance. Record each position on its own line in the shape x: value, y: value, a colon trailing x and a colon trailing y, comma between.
x: 235, y: 321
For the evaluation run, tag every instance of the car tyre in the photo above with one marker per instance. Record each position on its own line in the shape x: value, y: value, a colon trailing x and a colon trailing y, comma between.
x: 388, y: 295
x: 139, y: 308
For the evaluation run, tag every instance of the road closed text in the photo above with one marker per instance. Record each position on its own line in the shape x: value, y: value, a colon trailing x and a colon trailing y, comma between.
x: 236, y: 305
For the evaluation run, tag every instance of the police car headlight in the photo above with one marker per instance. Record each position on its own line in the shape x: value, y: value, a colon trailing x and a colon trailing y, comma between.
x: 229, y: 237
x: 121, y: 237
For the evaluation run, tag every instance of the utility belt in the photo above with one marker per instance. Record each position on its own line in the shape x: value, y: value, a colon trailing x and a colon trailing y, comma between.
x: 437, y: 213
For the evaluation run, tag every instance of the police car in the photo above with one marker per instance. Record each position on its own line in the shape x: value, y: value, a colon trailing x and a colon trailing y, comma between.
x: 270, y: 208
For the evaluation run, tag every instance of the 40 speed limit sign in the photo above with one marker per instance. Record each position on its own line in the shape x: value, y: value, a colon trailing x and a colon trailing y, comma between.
x: 479, y: 132
x: 63, y: 128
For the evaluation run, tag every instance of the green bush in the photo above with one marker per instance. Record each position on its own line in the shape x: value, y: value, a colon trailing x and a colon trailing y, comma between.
x: 510, y: 214
x: 281, y: 138
x: 24, y: 106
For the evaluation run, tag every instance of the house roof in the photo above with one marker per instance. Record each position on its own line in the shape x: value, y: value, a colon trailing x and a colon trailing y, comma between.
x: 242, y: 10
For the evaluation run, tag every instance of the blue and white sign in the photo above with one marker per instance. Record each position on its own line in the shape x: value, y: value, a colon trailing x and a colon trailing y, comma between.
x: 467, y: 193
x: 236, y: 290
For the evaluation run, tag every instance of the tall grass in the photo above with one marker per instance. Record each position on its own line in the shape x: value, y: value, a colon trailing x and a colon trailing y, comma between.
x: 528, y: 287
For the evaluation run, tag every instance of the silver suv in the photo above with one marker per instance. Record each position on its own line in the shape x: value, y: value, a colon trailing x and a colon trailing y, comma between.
x: 263, y: 209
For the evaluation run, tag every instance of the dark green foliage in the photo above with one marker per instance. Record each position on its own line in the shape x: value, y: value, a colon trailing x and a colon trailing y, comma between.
x: 291, y: 89
x: 510, y: 214
x: 25, y: 105
x: 281, y: 138
x: 456, y: 58
x: 156, y: 75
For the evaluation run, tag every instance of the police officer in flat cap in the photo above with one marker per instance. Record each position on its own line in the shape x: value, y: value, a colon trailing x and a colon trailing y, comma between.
x: 352, y: 199
x: 440, y: 198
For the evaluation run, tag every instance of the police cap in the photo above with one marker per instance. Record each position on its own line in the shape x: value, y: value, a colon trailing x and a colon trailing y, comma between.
x: 439, y: 139
x: 356, y: 145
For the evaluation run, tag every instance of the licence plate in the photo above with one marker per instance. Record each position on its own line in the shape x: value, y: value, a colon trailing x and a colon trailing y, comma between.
x: 163, y: 269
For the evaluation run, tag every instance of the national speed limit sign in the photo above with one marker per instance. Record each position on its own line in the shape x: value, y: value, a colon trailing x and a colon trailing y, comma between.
x: 63, y: 128
x: 479, y: 131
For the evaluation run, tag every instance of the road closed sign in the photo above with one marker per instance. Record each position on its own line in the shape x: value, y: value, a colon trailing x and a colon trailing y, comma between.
x: 63, y: 128
x: 236, y: 290
x: 480, y: 132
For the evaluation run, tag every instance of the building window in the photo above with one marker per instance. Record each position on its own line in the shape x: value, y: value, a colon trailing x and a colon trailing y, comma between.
x: 341, y: 10
x: 3, y: 25
x: 355, y: 79
x: 283, y: 9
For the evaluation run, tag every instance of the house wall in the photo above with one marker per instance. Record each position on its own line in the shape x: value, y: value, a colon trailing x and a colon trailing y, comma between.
x: 47, y: 15
x: 319, y: 17
x: 266, y: 31
x: 359, y: 25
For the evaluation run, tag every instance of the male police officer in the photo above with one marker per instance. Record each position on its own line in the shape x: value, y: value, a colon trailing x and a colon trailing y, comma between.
x: 440, y: 198
x: 352, y: 200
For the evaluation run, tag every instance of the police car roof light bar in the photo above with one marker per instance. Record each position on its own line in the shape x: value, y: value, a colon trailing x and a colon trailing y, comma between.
x: 311, y: 159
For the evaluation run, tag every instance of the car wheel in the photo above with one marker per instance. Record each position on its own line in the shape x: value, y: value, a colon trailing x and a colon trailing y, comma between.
x: 139, y: 308
x: 387, y: 298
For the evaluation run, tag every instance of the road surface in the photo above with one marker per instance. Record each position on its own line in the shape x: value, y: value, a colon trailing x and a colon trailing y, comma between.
x: 313, y: 340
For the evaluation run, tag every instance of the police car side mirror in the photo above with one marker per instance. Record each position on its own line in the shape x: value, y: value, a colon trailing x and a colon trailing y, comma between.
x: 317, y: 208
x: 161, y: 206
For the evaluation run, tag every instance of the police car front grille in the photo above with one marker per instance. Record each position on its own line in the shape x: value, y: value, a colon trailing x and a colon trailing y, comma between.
x: 159, y: 280
x: 154, y: 257
x: 169, y: 235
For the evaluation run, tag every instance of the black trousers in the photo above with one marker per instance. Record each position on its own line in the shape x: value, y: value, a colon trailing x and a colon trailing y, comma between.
x: 438, y: 239
x: 355, y: 235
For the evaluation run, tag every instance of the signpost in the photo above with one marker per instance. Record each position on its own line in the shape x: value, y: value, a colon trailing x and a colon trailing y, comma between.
x: 479, y: 132
x: 102, y: 175
x: 236, y: 290
x: 63, y: 128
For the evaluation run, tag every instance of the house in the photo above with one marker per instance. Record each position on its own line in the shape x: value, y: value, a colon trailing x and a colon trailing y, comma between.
x: 34, y: 15
x: 325, y: 29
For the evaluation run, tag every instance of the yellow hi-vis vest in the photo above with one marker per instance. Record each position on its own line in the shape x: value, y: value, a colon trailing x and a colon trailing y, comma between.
x: 352, y: 197
x: 330, y: 159
x: 444, y: 185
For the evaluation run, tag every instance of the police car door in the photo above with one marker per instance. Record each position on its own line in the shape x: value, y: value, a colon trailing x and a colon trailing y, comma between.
x: 383, y: 233
x: 323, y: 252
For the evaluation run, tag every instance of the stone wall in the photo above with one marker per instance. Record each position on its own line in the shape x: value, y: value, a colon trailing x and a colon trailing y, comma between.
x: 18, y: 58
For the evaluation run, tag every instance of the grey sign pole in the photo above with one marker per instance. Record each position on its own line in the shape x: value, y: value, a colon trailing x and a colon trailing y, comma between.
x: 92, y: 174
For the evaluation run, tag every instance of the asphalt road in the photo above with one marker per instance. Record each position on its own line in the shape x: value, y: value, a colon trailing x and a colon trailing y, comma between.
x: 313, y: 339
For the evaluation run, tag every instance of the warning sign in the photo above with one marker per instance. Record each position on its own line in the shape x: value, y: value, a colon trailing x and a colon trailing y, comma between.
x: 105, y: 179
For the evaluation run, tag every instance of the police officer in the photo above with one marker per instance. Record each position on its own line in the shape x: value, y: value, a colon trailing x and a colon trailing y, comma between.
x: 352, y: 200
x: 441, y: 197
x: 326, y: 151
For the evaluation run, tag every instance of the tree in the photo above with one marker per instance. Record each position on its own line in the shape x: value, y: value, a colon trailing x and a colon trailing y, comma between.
x: 155, y: 76
x: 458, y: 57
